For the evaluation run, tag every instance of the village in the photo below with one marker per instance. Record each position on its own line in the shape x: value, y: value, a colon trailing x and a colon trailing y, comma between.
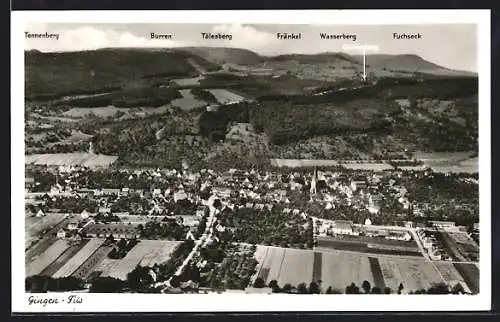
x: 108, y: 224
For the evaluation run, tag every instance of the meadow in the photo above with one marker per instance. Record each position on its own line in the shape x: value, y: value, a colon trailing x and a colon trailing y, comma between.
x: 339, y: 269
x: 145, y: 253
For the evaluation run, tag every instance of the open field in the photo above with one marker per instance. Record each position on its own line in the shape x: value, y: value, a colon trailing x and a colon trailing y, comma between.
x: 188, y: 81
x: 409, y: 249
x: 107, y: 111
x: 378, y: 276
x: 285, y: 265
x: 145, y: 253
x: 465, y: 245
x: 450, y: 246
x: 36, y: 225
x: 224, y: 96
x: 378, y: 241
x: 55, y: 118
x: 367, y: 166
x: 293, y: 163
x: 63, y: 259
x: 78, y: 158
x: 339, y: 269
x: 449, y: 161
x: 46, y: 258
x: 72, y: 265
x: 415, y: 274
x: 75, y: 137
x: 188, y: 101
x: 95, y: 259
x: 449, y: 272
x: 470, y: 273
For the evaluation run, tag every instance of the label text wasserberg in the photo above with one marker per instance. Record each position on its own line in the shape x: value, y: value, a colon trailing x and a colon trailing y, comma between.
x: 338, y: 36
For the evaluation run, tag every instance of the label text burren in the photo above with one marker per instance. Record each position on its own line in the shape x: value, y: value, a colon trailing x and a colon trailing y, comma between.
x: 46, y: 35
x: 161, y: 36
x: 209, y: 35
x: 338, y: 36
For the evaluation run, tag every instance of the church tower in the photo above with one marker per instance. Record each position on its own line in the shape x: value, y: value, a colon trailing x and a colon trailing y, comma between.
x: 313, y: 183
x: 91, y: 148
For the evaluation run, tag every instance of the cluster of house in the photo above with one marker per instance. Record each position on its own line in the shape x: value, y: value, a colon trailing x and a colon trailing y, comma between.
x: 325, y: 227
x: 434, y: 250
x: 388, y: 234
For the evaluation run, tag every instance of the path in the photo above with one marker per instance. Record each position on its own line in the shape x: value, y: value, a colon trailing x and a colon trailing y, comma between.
x: 201, y: 242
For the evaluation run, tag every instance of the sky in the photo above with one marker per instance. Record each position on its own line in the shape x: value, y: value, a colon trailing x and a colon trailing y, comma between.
x: 449, y: 45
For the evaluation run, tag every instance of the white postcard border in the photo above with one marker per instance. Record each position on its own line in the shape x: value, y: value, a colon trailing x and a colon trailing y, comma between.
x: 232, y: 302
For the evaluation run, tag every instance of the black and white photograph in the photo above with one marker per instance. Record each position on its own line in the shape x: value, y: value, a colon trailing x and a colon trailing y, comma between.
x: 239, y: 159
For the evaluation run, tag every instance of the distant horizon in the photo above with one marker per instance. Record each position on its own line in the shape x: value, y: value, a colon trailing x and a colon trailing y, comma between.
x: 452, y: 46
x: 253, y: 51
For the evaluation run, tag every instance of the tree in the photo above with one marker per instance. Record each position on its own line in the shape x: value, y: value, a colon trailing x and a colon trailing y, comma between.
x: 439, y: 288
x: 376, y: 290
x: 302, y: 288
x: 400, y: 288
x: 139, y: 278
x: 175, y: 281
x: 259, y: 283
x: 387, y: 290
x: 217, y: 203
x: 366, y: 286
x: 458, y: 289
x: 287, y: 288
x: 275, y: 287
x: 329, y: 290
x: 37, y: 284
x: 314, y: 288
x: 106, y: 285
x: 352, y: 289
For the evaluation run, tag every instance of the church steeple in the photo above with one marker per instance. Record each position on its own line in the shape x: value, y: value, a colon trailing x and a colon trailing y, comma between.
x: 313, y: 182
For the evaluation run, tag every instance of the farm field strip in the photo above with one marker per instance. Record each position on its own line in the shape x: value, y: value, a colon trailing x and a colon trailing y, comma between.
x: 260, y: 256
x: 466, y: 246
x: 378, y: 277
x: 224, y: 96
x: 451, y: 246
x: 79, y: 258
x: 145, y: 250
x: 273, y: 262
x: 77, y: 158
x: 340, y: 270
x: 449, y: 272
x: 470, y: 274
x: 188, y: 101
x: 364, y: 248
x: 161, y: 254
x: 371, y: 242
x: 292, y: 163
x: 363, y: 253
x: 292, y: 268
x: 63, y: 259
x: 95, y: 259
x: 317, y: 264
x: 449, y: 161
x: 35, y: 225
x: 188, y: 81
x: 414, y: 274
x: 46, y: 258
